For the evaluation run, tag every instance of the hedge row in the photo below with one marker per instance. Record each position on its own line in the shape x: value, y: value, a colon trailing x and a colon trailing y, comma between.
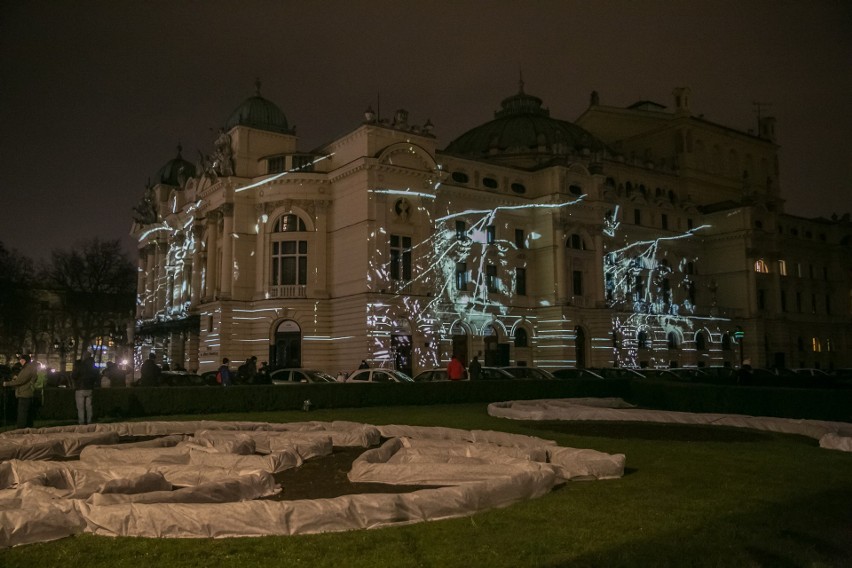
x: 122, y: 403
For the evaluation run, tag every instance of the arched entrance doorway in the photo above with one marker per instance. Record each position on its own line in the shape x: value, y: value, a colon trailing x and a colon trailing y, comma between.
x: 401, y: 348
x: 580, y: 347
x: 459, y: 343
x: 496, y: 353
x: 286, y: 348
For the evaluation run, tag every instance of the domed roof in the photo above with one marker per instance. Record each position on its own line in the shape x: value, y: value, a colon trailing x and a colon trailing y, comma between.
x: 176, y: 171
x: 522, y: 129
x: 257, y: 112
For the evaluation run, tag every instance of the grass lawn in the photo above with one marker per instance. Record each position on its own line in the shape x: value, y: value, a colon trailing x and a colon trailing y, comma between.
x: 691, y: 496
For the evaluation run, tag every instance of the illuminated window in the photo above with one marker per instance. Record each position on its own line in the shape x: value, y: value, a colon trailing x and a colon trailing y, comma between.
x: 461, y: 276
x: 520, y: 239
x: 521, y: 338
x: 490, y: 234
x: 521, y: 281
x: 828, y: 346
x: 815, y: 343
x: 491, y: 278
x: 400, y: 254
x: 760, y: 266
x: 782, y: 267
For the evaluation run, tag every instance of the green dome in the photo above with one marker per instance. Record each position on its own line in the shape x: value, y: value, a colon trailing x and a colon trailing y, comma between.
x: 176, y: 171
x: 257, y: 112
x: 522, y: 129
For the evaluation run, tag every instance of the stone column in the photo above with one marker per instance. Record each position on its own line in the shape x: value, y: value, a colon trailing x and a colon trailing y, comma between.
x: 559, y: 263
x: 260, y: 262
x: 150, y: 280
x: 227, y: 276
x: 141, y: 282
x: 197, y: 265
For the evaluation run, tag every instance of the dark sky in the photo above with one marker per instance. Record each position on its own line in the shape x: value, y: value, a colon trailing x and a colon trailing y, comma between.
x: 96, y: 95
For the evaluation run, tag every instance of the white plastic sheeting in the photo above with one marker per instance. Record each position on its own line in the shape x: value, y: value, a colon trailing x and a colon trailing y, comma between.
x: 831, y: 435
x: 206, y: 479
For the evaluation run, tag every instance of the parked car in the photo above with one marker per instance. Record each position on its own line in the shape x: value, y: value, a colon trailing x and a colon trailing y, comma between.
x: 612, y: 373
x: 568, y: 374
x: 495, y: 374
x: 378, y: 376
x: 533, y: 373
x: 295, y: 376
x: 431, y: 375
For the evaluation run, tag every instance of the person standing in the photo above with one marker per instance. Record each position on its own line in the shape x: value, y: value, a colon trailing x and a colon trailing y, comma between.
x: 474, y: 370
x: 455, y: 370
x: 85, y: 380
x: 224, y: 374
x: 150, y: 372
x: 23, y: 384
x: 364, y: 364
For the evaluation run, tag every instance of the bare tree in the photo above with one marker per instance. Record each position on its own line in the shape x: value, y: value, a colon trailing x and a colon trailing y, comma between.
x: 97, y: 284
x: 16, y: 300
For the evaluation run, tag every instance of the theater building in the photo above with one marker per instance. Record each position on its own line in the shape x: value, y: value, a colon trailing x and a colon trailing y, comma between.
x: 642, y: 236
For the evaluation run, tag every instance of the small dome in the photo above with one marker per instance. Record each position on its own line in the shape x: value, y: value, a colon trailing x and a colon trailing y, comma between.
x: 523, y: 129
x: 257, y: 112
x: 176, y: 171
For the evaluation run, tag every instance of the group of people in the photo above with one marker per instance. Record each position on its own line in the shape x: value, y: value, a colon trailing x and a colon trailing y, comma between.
x: 457, y: 372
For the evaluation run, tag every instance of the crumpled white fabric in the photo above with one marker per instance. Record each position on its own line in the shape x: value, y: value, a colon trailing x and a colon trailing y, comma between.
x: 832, y: 435
x: 207, y: 479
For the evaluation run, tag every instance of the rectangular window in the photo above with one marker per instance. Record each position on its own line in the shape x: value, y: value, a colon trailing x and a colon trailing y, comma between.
x: 637, y: 217
x: 761, y: 299
x: 664, y: 221
x: 461, y: 230
x: 783, y: 301
x: 811, y: 271
x: 400, y: 253
x: 490, y: 234
x: 289, y: 262
x: 813, y: 303
x: 461, y: 276
x: 782, y: 267
x: 275, y: 165
x: 689, y: 224
x: 491, y: 278
x: 520, y: 239
x: 521, y: 281
x: 578, y: 282
x: 303, y: 163
x: 827, y: 304
x: 799, y: 269
x: 798, y: 302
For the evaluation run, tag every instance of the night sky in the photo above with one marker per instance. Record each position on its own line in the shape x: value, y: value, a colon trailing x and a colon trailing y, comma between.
x: 95, y: 96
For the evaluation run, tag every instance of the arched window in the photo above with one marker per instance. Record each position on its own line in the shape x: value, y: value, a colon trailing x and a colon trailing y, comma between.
x: 672, y: 340
x: 761, y: 266
x: 289, y: 223
x: 700, y: 341
x: 521, y: 338
x: 575, y: 242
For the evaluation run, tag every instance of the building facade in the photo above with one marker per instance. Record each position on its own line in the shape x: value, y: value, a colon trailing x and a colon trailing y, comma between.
x: 637, y: 236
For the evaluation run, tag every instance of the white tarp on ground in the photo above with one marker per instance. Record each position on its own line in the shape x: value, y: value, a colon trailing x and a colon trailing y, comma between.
x: 831, y: 435
x: 207, y: 479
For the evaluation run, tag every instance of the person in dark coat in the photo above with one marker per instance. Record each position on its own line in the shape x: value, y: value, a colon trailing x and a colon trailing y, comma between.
x: 150, y: 372
x: 224, y: 374
x: 474, y: 369
x: 86, y: 379
x: 24, y: 391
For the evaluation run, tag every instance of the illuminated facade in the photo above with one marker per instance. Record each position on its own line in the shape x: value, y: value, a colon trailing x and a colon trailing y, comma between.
x: 635, y: 236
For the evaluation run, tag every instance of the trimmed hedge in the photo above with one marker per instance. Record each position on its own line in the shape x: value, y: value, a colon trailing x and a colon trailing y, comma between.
x: 136, y: 402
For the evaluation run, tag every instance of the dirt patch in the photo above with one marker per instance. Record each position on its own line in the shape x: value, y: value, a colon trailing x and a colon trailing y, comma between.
x: 325, y: 478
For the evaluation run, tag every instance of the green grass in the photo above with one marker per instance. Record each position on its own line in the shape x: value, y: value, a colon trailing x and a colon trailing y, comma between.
x: 691, y: 496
